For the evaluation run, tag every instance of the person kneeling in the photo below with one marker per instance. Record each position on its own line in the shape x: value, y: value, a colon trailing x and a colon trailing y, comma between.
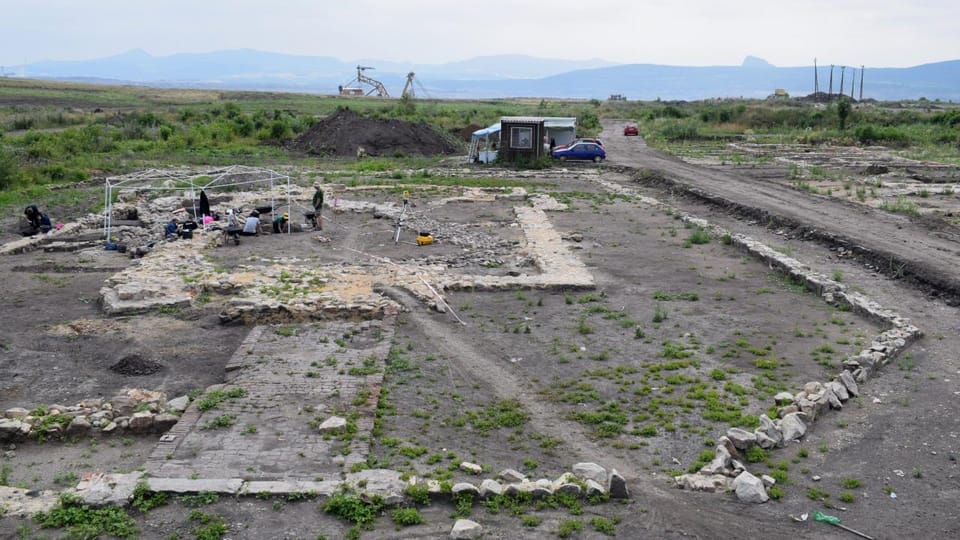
x: 281, y: 224
x: 252, y: 226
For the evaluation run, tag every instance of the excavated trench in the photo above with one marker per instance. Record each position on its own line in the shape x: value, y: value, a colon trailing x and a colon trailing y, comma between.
x: 930, y: 281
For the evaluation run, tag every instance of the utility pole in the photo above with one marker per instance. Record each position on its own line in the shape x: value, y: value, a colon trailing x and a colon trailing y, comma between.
x: 816, y: 80
x: 843, y: 70
x: 861, y: 83
x: 831, y: 81
x: 853, y: 81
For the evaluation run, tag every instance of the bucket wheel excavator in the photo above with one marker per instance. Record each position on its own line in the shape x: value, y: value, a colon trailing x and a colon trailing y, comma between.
x: 354, y: 88
x: 408, y: 89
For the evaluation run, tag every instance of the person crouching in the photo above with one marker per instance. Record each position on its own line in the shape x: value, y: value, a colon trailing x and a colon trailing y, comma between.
x: 281, y: 223
x: 252, y: 226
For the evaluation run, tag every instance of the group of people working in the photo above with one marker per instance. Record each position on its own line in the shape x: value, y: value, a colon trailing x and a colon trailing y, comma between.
x: 252, y: 225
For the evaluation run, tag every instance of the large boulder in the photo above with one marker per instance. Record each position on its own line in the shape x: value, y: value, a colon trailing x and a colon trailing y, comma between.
x: 750, y: 489
x: 465, y: 529
x: 741, y: 438
x: 617, y: 487
x: 792, y: 427
x: 838, y: 390
x: 720, y: 463
x: 700, y: 482
x: 848, y: 381
x: 590, y: 471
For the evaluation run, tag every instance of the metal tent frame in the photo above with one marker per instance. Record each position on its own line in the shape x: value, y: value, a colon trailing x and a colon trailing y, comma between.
x: 221, y: 178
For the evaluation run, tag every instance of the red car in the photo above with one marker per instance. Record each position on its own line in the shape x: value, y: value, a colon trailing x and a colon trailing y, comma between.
x: 631, y: 130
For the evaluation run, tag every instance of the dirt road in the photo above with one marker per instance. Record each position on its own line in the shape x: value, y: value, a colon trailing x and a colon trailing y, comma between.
x: 897, y: 245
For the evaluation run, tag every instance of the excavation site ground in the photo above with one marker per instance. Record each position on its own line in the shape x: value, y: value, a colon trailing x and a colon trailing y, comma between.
x: 627, y: 314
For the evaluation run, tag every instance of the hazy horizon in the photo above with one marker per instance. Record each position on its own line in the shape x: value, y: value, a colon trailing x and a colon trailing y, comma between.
x: 681, y: 33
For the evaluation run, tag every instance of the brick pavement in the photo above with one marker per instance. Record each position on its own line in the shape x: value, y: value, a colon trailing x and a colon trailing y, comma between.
x: 294, y: 377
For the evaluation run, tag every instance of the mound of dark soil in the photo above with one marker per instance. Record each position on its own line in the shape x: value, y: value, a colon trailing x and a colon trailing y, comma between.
x: 343, y: 132
x: 134, y: 364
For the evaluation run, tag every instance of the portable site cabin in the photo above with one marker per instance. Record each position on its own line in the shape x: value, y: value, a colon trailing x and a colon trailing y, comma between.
x: 562, y: 130
x: 515, y: 137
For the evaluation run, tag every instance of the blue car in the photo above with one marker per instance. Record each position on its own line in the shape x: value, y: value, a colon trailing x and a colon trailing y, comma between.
x: 582, y: 151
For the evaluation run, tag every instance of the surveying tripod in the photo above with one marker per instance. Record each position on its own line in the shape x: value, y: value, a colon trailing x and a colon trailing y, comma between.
x: 403, y: 213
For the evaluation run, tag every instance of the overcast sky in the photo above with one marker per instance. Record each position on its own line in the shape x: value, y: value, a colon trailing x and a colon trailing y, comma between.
x: 877, y: 33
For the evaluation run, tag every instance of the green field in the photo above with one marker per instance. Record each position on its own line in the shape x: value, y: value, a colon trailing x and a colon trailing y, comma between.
x: 67, y: 133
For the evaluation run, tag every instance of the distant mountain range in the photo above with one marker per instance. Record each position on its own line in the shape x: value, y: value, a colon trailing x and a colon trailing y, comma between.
x: 497, y: 76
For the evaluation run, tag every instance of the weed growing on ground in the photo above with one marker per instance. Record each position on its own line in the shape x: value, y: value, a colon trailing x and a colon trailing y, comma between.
x: 82, y: 521
x: 568, y: 527
x: 604, y: 525
x: 145, y: 500
x: 202, y: 498
x: 222, y: 421
x: 211, y: 526
x: 353, y: 509
x: 405, y: 517
x: 216, y: 397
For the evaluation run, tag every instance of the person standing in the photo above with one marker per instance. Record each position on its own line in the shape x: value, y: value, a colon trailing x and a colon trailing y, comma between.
x: 318, y: 206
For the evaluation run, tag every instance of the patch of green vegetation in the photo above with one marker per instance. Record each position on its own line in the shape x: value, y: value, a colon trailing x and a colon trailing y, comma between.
x: 405, y: 517
x: 697, y: 236
x: 83, y: 521
x: 145, y: 500
x: 215, y: 397
x: 604, y: 526
x: 210, y: 526
x: 352, y: 508
x: 221, y: 421
x: 901, y: 206
x: 504, y: 413
x: 203, y: 498
x: 851, y: 483
x: 568, y: 527
x: 667, y: 297
x: 370, y: 366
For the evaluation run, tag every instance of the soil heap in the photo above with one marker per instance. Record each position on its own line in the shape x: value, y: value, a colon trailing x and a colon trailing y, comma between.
x: 343, y: 132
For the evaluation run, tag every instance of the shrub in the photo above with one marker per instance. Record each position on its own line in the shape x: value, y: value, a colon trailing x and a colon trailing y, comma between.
x: 755, y: 454
x: 9, y: 173
x: 82, y: 521
x: 679, y: 131
x: 352, y: 508
x: 406, y: 517
x: 699, y: 236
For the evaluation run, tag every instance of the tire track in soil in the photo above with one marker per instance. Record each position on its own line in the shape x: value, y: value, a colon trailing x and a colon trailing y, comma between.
x: 665, y: 509
x: 899, y: 246
x: 505, y: 384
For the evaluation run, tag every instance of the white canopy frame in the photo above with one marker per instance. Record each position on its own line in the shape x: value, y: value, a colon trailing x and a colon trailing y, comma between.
x: 232, y: 177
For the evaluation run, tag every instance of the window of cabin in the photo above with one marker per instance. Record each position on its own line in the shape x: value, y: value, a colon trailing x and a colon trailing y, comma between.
x: 521, y: 137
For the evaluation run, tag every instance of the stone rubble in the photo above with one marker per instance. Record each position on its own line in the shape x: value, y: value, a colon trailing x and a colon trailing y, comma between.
x: 100, y: 489
x: 136, y: 410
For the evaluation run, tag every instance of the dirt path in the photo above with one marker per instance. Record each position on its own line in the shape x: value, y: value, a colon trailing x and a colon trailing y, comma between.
x: 507, y: 385
x: 894, y: 243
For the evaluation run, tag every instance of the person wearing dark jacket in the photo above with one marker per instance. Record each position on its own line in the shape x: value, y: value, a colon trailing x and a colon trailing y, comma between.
x: 318, y: 206
x: 36, y: 221
x: 172, y: 230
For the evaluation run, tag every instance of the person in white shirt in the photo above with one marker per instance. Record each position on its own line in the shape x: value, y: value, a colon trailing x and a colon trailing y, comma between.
x: 252, y: 226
